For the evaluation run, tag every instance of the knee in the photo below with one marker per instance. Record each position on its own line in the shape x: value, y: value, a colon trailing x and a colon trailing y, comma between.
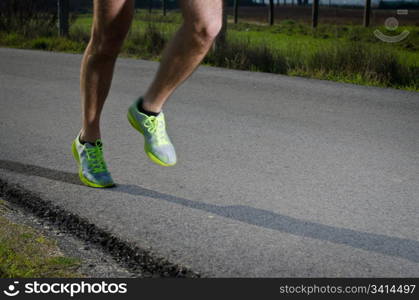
x: 205, y: 31
x: 107, y: 44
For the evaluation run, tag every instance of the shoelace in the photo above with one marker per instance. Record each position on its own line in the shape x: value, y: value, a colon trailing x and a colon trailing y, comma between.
x: 95, y: 158
x: 155, y: 126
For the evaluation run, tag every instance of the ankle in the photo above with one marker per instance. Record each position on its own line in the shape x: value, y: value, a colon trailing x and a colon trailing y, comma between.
x: 147, y: 109
x: 149, y: 106
x: 89, y: 136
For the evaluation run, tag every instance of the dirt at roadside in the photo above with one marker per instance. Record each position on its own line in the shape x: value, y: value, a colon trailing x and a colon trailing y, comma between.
x: 63, y: 255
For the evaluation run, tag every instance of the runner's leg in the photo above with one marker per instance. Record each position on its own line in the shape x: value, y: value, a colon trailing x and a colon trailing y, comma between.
x: 111, y: 23
x: 202, y: 22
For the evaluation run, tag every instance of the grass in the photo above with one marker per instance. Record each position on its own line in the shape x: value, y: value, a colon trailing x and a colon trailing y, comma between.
x: 26, y: 253
x: 53, y: 43
x: 346, y: 53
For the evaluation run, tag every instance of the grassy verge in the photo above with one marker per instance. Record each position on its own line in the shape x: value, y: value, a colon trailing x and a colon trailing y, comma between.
x: 346, y: 53
x: 24, y: 252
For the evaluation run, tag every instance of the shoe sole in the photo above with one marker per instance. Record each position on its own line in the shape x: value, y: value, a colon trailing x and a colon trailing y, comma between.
x: 81, y: 176
x: 150, y: 155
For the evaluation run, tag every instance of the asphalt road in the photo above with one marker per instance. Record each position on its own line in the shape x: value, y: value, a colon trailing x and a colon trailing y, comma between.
x: 276, y: 176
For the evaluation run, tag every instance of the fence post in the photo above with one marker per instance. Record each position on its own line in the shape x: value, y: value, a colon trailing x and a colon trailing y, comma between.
x: 164, y: 7
x: 271, y: 12
x: 236, y: 11
x: 367, y: 13
x: 150, y: 6
x: 315, y: 13
x: 63, y: 15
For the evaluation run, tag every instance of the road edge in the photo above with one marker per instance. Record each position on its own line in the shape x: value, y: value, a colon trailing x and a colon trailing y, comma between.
x: 131, y: 256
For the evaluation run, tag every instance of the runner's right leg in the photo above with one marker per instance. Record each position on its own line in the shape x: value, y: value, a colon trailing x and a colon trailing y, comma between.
x: 111, y: 22
x: 202, y: 20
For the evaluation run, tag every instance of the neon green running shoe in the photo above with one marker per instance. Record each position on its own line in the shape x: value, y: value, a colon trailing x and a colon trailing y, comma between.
x: 92, y: 167
x: 157, y: 144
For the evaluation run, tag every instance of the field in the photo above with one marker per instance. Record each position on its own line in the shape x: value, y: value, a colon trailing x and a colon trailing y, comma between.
x: 338, y: 49
x: 327, y: 15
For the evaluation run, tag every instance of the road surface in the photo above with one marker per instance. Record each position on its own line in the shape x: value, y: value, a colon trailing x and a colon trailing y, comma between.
x: 276, y: 177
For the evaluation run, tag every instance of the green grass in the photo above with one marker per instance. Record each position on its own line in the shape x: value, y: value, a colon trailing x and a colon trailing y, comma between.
x: 53, y: 43
x: 289, y: 35
x: 26, y: 253
x: 346, y: 53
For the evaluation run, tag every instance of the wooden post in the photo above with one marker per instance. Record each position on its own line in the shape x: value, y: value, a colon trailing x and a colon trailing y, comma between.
x: 164, y: 7
x: 63, y: 16
x: 271, y: 12
x: 367, y: 13
x: 236, y: 11
x: 221, y: 39
x: 150, y: 6
x: 315, y: 20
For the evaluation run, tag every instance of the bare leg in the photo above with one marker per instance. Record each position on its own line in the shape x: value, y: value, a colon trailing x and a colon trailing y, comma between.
x: 111, y: 23
x: 202, y: 22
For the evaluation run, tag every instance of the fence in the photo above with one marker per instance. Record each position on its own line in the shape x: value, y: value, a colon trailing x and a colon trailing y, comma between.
x: 165, y: 5
x: 315, y: 10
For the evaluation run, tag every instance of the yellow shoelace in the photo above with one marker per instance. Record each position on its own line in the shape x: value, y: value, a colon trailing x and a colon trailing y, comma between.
x: 156, y: 126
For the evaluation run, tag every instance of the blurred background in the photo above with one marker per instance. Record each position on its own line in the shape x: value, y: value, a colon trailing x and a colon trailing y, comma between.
x: 369, y: 42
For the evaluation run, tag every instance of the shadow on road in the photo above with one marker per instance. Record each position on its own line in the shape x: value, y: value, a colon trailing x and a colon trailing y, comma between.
x: 33, y: 170
x: 392, y: 246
